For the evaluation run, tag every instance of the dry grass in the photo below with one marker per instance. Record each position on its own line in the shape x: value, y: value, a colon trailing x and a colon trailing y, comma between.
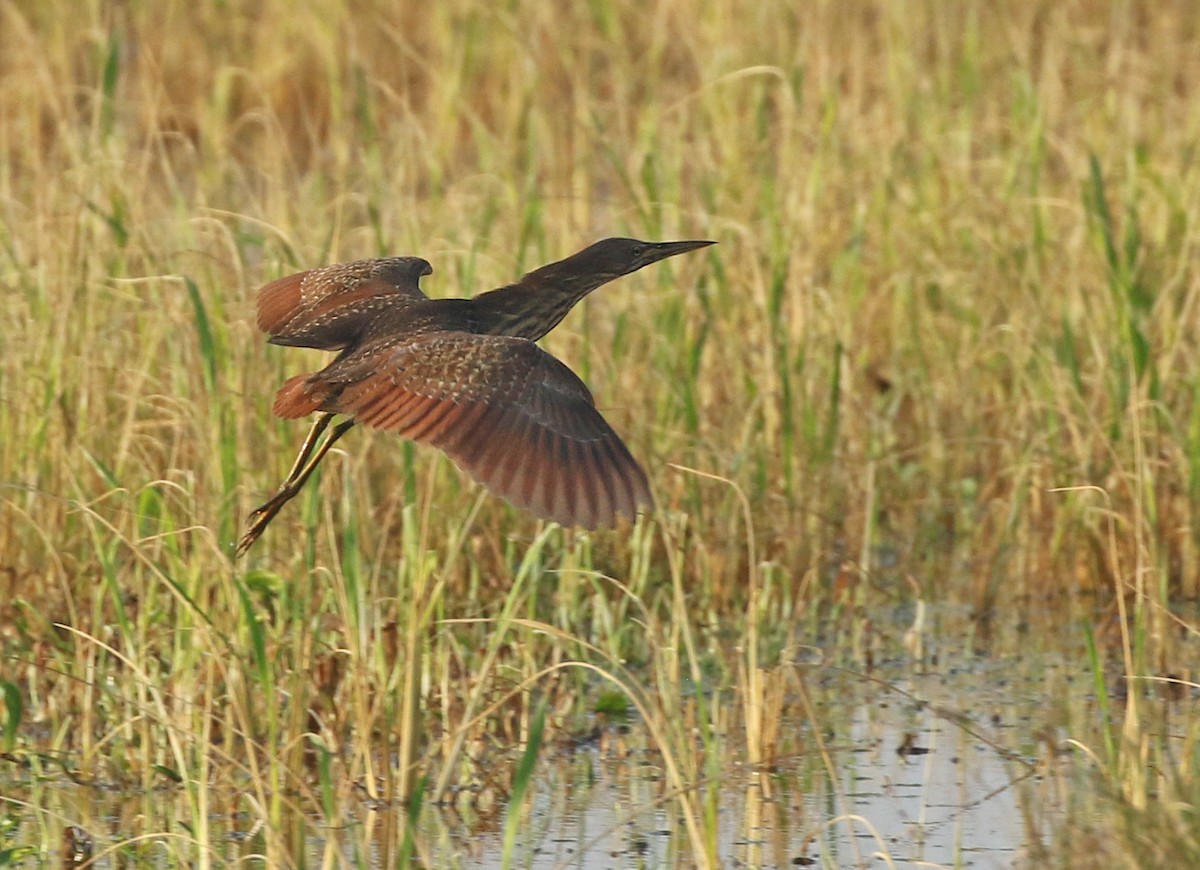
x: 949, y: 336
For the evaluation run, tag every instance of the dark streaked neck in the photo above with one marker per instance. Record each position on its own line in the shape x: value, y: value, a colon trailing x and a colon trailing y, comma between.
x: 537, y: 303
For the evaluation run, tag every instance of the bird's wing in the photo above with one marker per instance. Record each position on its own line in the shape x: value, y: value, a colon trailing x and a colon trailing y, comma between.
x: 327, y: 307
x: 508, y: 413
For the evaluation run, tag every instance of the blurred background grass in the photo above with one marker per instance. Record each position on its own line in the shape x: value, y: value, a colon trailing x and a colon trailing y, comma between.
x: 946, y: 350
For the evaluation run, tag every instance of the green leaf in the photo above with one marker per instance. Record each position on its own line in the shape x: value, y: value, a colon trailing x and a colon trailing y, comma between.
x: 13, y: 708
x: 169, y: 772
x: 612, y: 704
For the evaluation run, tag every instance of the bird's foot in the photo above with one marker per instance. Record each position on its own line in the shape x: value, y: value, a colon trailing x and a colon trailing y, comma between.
x: 259, y: 519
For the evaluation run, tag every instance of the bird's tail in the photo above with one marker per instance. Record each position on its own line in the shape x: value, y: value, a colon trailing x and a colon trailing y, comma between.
x: 299, y: 397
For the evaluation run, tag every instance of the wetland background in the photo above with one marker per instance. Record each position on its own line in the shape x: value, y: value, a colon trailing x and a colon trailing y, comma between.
x: 924, y: 431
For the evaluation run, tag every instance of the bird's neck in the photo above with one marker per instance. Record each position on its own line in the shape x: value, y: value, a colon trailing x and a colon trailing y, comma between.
x: 536, y: 304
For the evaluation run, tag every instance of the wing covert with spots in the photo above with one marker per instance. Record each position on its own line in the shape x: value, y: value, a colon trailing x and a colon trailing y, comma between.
x: 328, y: 308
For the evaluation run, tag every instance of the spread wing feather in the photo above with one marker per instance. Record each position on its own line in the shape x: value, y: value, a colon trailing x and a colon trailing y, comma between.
x: 509, y: 414
x: 327, y: 308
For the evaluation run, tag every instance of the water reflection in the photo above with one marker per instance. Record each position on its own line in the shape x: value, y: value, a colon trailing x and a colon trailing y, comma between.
x: 940, y: 773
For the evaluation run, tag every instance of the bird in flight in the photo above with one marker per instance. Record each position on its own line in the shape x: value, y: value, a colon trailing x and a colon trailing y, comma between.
x: 462, y: 375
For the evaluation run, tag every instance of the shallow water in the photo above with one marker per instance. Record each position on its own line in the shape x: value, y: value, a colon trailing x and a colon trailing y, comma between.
x: 955, y: 766
x: 941, y: 773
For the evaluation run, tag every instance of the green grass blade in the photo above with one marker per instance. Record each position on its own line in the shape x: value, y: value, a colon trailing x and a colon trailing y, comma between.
x: 521, y: 782
x: 204, y: 333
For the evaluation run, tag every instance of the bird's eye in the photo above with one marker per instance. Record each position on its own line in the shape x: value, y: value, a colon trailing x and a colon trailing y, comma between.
x: 638, y: 250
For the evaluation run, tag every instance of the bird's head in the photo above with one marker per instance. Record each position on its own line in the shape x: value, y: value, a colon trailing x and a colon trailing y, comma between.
x: 405, y: 271
x: 612, y: 258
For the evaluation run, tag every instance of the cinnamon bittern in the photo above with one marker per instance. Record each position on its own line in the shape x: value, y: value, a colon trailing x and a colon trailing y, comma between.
x: 463, y: 375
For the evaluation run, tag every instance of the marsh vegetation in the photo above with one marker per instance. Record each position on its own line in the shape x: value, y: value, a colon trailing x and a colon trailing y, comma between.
x: 923, y: 430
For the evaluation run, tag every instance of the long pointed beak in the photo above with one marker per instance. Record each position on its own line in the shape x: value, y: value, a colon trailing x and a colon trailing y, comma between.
x: 656, y: 251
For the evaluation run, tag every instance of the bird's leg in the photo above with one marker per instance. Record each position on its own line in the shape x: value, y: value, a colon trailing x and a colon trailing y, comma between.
x: 310, y: 440
x: 306, y: 463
